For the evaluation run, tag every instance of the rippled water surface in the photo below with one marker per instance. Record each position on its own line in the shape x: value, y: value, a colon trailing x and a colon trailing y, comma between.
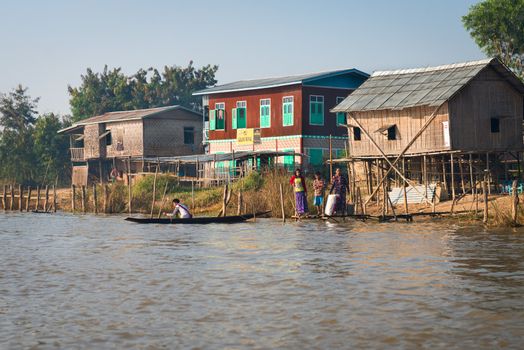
x: 95, y: 282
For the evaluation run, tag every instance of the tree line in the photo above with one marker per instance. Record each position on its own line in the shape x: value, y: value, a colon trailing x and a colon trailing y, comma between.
x: 31, y: 150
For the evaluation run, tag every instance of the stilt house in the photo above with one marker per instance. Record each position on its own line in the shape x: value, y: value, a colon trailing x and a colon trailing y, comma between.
x: 110, y: 140
x: 447, y: 125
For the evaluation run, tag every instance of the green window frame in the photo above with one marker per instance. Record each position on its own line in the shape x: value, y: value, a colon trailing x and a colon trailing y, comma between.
x: 289, y: 161
x: 316, y: 110
x: 288, y: 111
x: 316, y: 156
x: 265, y: 113
x: 212, y: 119
x: 239, y: 116
x: 219, y: 116
x: 341, y: 116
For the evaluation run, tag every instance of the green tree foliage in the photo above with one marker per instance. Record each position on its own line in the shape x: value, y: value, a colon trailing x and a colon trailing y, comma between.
x: 30, y: 148
x: 52, y: 149
x: 498, y: 28
x: 111, y: 90
x: 17, y: 117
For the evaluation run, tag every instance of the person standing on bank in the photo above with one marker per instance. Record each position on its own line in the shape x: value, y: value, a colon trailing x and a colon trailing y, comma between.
x: 318, y: 187
x: 299, y: 186
x: 339, y: 185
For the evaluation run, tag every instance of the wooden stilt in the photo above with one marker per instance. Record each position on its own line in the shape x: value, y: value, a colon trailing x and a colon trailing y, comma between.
x: 488, y: 173
x: 471, y: 180
x: 73, y: 198
x: 452, y: 170
x: 12, y: 204
x: 461, y: 172
x: 240, y: 201
x: 129, y: 194
x: 485, y: 194
x: 425, y: 174
x: 444, y: 180
x: 405, y: 187
x: 83, y: 198
x: 515, y: 202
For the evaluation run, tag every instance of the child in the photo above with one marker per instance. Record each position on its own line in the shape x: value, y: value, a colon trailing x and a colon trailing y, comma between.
x: 318, y: 186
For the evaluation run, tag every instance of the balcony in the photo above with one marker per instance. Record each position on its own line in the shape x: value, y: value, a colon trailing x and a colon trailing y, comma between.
x: 77, y: 154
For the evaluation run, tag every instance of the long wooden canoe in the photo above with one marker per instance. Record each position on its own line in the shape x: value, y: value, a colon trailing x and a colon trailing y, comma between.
x: 198, y: 220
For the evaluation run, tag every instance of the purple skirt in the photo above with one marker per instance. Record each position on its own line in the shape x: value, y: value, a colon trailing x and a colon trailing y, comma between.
x: 301, y: 202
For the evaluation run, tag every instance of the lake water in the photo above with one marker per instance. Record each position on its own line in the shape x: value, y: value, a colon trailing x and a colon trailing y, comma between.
x: 99, y: 282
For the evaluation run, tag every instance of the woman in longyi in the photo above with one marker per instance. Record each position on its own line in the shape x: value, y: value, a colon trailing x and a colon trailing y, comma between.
x: 299, y: 186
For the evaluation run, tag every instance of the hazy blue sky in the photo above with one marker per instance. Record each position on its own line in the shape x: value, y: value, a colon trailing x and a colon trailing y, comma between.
x: 47, y: 45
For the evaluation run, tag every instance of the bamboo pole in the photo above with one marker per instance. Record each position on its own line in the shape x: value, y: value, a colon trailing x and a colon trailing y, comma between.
x: 444, y: 180
x: 224, y: 200
x: 488, y: 173
x: 515, y: 203
x: 28, y: 202
x: 95, y: 199
x: 330, y: 157
x: 282, y: 203
x: 485, y: 194
x: 20, y: 198
x: 163, y: 201
x: 452, y: 170
x: 240, y: 201
x: 73, y: 198
x: 154, y: 192
x: 461, y: 171
x: 129, y: 194
x: 46, y: 198
x: 83, y: 198
x: 471, y: 181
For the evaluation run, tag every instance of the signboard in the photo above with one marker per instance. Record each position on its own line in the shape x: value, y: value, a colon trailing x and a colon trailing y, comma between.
x: 445, y: 129
x: 247, y: 137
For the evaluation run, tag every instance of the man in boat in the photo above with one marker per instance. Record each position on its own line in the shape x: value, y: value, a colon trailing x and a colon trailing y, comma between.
x: 180, y: 209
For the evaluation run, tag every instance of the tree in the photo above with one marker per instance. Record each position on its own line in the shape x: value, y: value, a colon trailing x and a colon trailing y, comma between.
x: 112, y: 90
x: 17, y: 117
x: 498, y: 29
x: 51, y: 149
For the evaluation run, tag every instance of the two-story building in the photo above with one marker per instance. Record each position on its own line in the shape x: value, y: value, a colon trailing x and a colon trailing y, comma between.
x: 109, y: 140
x: 287, y: 114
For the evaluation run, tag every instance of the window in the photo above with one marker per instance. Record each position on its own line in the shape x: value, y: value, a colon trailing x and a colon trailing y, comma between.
x: 495, y: 125
x: 189, y: 135
x: 217, y: 117
x: 357, y: 133
x: 109, y: 139
x: 316, y: 156
x: 316, y: 110
x: 341, y: 116
x: 239, y: 118
x: 265, y: 113
x: 392, y: 132
x: 287, y: 111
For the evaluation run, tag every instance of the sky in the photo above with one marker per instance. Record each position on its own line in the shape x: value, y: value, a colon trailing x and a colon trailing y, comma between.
x: 48, y: 45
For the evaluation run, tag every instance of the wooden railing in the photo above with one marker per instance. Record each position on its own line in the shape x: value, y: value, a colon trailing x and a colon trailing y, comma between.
x: 77, y: 154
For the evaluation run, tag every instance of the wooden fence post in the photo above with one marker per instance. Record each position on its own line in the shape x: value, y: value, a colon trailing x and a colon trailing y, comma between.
x: 46, y: 201
x: 129, y: 194
x: 104, y: 194
x: 154, y: 192
x: 73, y: 198
x: 37, y: 198
x: 4, y: 198
x: 20, y: 197
x: 95, y: 199
x: 11, y: 205
x: 240, y: 201
x: 28, y: 202
x: 54, y: 198
x: 515, y: 202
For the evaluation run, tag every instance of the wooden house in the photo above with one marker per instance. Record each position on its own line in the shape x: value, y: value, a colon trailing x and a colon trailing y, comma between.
x: 109, y: 140
x: 445, y: 124
x: 280, y: 114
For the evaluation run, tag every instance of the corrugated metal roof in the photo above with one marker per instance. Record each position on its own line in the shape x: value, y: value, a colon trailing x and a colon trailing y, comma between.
x: 218, y: 157
x: 429, y: 86
x: 119, y: 116
x: 254, y: 84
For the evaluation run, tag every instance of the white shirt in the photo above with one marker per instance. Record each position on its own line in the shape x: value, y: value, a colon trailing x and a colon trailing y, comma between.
x: 183, y: 210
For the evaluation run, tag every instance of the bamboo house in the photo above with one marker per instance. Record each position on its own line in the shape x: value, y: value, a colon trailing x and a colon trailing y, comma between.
x: 435, y: 132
